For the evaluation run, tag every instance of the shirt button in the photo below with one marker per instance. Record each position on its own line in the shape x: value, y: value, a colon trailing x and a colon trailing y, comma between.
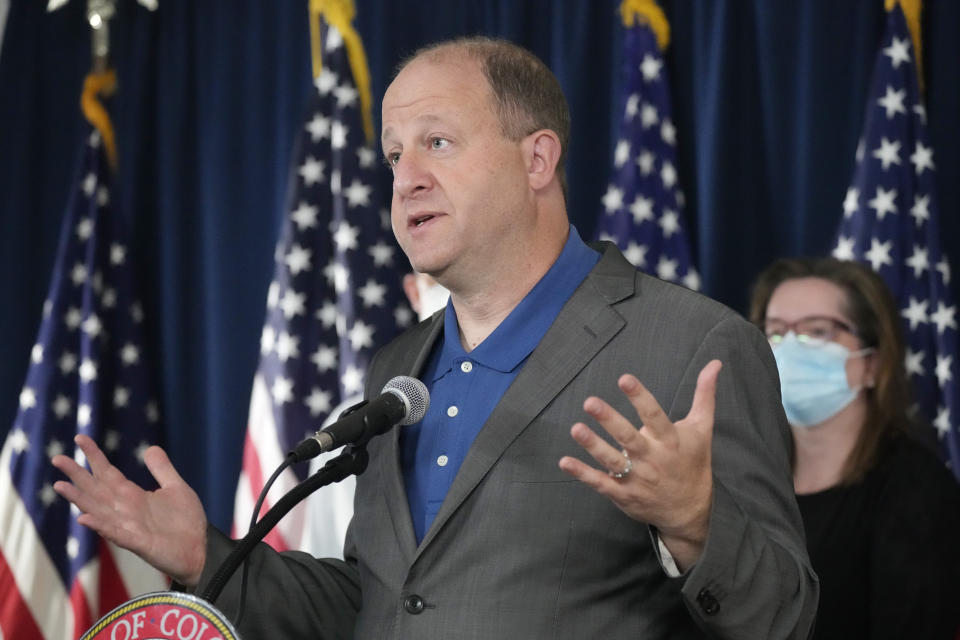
x: 466, y: 367
x: 452, y: 411
x: 443, y: 460
x: 413, y: 604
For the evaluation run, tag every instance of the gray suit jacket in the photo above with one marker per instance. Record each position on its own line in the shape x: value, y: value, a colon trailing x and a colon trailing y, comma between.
x: 521, y: 550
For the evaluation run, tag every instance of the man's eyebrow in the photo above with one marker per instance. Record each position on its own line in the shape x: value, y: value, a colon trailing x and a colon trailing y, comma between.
x: 384, y: 135
x: 424, y: 119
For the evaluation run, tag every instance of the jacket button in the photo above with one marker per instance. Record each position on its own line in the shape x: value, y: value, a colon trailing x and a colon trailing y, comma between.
x: 708, y: 602
x: 413, y: 604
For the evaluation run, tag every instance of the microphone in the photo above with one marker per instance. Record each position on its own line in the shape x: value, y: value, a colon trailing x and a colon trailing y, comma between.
x: 404, y: 400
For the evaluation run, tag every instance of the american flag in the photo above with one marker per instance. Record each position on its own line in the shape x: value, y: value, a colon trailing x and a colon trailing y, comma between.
x: 336, y: 294
x: 88, y: 374
x: 890, y: 220
x: 643, y: 205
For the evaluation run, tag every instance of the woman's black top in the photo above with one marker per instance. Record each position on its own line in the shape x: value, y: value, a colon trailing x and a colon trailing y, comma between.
x: 887, y: 550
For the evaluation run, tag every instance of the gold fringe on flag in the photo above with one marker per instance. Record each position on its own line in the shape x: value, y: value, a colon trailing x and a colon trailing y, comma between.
x: 650, y: 12
x: 911, y: 11
x: 340, y: 14
x: 98, y: 84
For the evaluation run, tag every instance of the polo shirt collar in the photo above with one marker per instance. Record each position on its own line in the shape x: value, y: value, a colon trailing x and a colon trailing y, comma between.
x: 521, y: 331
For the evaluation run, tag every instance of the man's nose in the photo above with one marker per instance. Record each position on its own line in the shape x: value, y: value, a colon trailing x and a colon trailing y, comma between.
x: 410, y: 175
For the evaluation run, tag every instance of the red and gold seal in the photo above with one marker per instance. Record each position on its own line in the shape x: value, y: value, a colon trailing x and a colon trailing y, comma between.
x: 166, y: 615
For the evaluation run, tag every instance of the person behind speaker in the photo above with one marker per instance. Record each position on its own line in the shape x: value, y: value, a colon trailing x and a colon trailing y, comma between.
x: 881, y: 512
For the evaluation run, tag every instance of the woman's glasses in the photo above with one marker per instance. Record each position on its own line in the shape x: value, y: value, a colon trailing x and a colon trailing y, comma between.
x: 813, y: 328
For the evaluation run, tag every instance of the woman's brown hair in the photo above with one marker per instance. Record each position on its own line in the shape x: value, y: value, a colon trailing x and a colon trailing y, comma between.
x: 871, y: 308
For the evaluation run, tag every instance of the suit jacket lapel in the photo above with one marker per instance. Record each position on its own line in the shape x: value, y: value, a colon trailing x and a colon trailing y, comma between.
x: 585, y: 324
x: 394, y: 488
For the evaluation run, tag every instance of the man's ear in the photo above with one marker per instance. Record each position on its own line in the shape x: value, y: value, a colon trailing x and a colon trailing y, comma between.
x: 541, y: 153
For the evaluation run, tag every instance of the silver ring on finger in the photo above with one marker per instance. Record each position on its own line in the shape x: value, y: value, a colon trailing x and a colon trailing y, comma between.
x: 627, y: 466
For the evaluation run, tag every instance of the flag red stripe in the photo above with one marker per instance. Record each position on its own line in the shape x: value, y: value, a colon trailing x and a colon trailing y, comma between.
x: 113, y: 591
x: 16, y: 620
x: 82, y: 620
x: 251, y: 466
x: 275, y: 539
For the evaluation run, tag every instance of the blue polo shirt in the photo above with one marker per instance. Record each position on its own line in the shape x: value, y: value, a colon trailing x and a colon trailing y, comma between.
x: 465, y: 387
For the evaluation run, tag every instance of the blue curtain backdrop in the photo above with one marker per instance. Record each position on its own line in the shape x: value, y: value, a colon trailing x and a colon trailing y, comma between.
x: 768, y: 98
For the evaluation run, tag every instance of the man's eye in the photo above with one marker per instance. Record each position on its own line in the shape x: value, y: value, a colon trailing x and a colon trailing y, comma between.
x: 392, y: 159
x: 439, y: 143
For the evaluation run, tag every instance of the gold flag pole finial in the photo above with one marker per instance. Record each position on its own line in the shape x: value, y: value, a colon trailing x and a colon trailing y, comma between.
x: 101, y: 80
x: 340, y: 14
x: 911, y: 12
x: 96, y: 84
x: 632, y: 11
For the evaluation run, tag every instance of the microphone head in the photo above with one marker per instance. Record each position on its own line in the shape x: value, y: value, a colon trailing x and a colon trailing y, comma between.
x: 414, y: 394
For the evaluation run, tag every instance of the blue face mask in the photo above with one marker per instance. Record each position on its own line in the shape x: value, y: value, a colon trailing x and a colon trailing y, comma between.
x: 813, y: 379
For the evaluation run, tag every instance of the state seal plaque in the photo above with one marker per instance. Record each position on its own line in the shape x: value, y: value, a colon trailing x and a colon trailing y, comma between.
x: 164, y: 615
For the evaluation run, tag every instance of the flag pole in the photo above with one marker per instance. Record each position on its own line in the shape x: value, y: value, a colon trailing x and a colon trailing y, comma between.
x: 99, y: 13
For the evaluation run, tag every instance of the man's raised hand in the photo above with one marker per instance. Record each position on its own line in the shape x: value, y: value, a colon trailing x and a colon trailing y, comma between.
x: 661, y: 472
x: 166, y: 527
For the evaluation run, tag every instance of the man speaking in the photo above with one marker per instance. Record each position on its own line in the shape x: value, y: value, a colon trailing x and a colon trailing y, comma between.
x: 502, y: 514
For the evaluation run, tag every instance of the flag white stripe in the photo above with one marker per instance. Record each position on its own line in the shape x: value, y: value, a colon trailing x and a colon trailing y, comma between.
x: 242, y: 505
x: 263, y: 432
x: 33, y: 570
x: 138, y: 576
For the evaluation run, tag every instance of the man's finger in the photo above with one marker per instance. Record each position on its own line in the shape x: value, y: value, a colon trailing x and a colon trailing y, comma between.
x: 606, y: 455
x: 77, y: 474
x: 160, y: 467
x: 652, y: 416
x: 620, y: 429
x: 82, y: 490
x: 99, y: 464
x: 599, y: 481
x: 105, y: 528
x: 68, y: 490
x: 705, y: 397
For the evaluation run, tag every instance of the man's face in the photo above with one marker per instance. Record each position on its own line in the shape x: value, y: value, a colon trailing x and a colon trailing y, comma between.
x: 460, y: 187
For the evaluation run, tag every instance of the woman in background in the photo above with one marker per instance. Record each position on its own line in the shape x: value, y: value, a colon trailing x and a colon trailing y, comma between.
x: 881, y: 512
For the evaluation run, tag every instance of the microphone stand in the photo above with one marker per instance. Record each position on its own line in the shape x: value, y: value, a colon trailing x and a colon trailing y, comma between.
x: 353, y: 461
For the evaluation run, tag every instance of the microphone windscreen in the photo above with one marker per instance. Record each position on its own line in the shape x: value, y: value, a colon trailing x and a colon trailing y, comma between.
x: 414, y: 395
